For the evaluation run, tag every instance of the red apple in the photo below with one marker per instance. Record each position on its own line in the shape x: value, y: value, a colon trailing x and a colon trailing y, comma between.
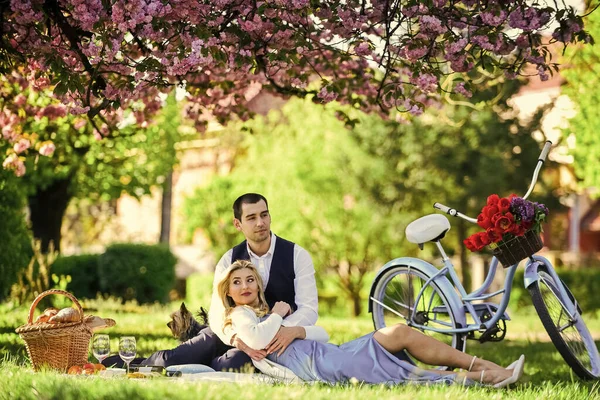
x: 75, y: 370
x: 89, y: 369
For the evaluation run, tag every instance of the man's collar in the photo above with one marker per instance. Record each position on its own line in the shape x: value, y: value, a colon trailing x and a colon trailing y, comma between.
x: 269, y: 252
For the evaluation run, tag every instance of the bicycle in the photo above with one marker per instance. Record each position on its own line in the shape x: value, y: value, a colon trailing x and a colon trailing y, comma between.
x: 433, y: 300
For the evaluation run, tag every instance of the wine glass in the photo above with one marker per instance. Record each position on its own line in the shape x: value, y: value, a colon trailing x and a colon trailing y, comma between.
x: 127, y: 349
x: 101, y: 347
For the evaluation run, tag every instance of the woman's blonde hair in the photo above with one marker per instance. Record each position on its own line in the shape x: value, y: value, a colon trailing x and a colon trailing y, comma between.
x: 223, y: 289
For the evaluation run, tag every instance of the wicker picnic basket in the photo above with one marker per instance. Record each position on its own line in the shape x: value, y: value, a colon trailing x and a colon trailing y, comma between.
x: 57, y: 346
x: 514, y: 250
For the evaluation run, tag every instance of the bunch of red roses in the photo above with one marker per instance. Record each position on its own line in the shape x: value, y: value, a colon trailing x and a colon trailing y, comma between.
x: 504, y: 218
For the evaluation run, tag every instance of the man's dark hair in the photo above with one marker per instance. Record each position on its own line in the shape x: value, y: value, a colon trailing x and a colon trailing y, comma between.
x: 248, y: 198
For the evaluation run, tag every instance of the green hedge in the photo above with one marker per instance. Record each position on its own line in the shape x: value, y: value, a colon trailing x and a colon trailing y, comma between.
x: 83, y: 270
x: 15, y: 240
x: 137, y: 271
x: 584, y: 284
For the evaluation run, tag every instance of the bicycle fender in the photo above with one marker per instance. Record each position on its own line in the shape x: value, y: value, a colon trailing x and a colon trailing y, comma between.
x: 530, y: 274
x: 441, y: 281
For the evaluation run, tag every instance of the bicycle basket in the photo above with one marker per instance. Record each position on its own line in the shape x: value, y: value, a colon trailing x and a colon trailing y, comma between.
x: 512, y: 251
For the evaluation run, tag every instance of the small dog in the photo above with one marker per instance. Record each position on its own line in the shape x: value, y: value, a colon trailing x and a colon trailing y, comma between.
x: 184, y: 326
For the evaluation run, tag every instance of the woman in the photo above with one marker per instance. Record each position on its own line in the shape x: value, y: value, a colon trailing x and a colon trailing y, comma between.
x: 369, y: 358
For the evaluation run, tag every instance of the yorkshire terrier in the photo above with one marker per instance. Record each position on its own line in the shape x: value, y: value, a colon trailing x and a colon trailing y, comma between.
x: 184, y: 326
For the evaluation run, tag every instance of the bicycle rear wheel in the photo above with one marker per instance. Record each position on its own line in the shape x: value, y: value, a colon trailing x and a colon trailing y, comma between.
x: 569, y: 333
x: 395, y: 300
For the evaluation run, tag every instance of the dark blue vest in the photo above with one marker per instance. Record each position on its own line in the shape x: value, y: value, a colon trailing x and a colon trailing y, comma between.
x: 281, y: 276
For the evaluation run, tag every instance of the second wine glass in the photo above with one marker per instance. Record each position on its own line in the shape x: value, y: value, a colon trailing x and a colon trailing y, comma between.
x: 127, y: 349
x: 101, y: 346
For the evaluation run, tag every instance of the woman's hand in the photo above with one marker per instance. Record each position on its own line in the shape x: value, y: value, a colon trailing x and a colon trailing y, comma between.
x: 253, y: 354
x: 282, y: 308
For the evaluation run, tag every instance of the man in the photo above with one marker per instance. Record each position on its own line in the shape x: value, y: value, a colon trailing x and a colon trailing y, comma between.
x: 289, y: 276
x: 286, y: 269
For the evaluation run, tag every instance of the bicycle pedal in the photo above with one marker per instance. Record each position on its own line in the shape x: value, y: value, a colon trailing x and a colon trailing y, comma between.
x: 495, y: 333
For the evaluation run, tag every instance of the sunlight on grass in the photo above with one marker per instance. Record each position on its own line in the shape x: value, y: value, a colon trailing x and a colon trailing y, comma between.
x: 546, y: 374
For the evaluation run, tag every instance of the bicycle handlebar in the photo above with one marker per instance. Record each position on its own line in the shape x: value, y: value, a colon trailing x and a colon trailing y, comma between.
x: 455, y: 213
x: 545, y: 151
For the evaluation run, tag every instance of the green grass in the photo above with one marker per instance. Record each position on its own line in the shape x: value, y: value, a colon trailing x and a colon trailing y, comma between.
x: 546, y: 374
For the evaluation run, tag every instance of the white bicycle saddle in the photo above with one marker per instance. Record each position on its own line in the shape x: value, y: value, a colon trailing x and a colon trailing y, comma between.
x: 427, y: 228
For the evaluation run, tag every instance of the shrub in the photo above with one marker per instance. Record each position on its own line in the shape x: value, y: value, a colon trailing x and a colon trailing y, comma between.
x: 583, y: 283
x: 83, y: 270
x: 136, y: 271
x: 15, y: 241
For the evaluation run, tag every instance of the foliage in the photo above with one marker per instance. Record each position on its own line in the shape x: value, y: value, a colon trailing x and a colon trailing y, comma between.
x: 316, y: 200
x: 36, y: 277
x: 15, y: 241
x: 582, y: 75
x: 100, y: 57
x: 83, y: 270
x: 582, y: 282
x: 100, y: 168
x: 136, y: 271
x: 83, y: 164
x: 456, y: 155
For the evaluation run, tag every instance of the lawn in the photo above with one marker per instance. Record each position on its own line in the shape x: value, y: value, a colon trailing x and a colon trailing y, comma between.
x: 546, y: 374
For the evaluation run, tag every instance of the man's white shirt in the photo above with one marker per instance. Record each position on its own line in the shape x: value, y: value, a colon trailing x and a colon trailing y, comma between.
x: 305, y: 288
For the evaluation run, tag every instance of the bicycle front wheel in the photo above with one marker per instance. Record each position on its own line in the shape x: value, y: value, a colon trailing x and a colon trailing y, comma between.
x: 568, y: 332
x: 402, y: 295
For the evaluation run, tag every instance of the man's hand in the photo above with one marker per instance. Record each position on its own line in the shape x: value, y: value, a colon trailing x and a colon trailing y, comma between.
x: 284, y: 337
x: 256, y: 355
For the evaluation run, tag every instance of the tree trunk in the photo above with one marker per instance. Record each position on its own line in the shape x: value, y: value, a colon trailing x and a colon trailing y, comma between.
x: 356, y: 303
x: 464, y: 265
x: 47, y: 207
x: 167, y: 199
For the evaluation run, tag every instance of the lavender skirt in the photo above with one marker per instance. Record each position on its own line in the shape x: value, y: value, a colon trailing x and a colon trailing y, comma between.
x: 363, y: 359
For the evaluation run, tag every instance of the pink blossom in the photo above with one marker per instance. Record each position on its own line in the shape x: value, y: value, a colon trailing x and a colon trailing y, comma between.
x: 543, y: 73
x: 79, y: 123
x: 139, y: 49
x: 494, y: 17
x: 15, y: 163
x: 432, y: 26
x: 413, y: 108
x: 362, y: 49
x: 326, y: 95
x: 413, y: 53
x: 47, y: 149
x: 20, y: 100
x: 529, y: 18
x: 22, y: 145
x: 461, y: 89
x: 53, y: 111
x: 426, y: 82
x: 77, y: 110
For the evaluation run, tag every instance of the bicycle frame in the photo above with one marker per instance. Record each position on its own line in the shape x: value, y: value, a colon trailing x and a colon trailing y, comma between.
x: 463, y: 305
x: 447, y: 280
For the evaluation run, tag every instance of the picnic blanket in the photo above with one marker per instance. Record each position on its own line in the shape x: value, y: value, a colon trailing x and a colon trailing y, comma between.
x: 199, y: 372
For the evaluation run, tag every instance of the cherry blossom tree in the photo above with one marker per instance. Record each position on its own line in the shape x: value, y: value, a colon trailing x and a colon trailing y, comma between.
x: 100, y: 57
x: 61, y: 158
